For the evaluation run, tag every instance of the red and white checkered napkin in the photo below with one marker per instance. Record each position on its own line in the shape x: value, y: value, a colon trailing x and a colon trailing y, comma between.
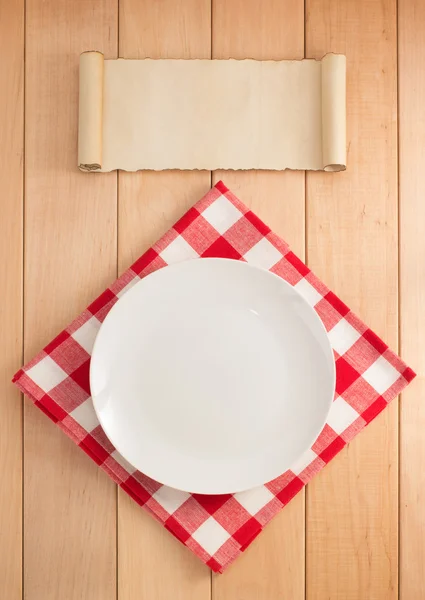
x: 218, y: 528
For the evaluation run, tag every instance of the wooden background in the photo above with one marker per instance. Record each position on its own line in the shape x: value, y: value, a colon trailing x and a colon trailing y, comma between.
x: 358, y: 532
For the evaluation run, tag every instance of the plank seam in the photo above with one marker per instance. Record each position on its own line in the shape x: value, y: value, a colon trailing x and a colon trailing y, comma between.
x: 398, y: 299
x: 306, y: 262
x: 23, y: 299
x: 117, y: 243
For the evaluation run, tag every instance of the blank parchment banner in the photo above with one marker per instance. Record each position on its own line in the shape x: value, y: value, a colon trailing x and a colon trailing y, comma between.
x: 211, y: 114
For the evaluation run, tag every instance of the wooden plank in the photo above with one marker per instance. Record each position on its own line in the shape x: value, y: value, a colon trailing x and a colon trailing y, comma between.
x: 352, y: 529
x: 411, y: 20
x: 11, y: 230
x: 273, y: 567
x: 152, y: 564
x: 70, y: 255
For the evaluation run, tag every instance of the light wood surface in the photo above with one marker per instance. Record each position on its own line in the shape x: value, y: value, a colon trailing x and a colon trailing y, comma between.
x: 352, y: 244
x: 70, y: 255
x: 411, y: 44
x: 11, y: 256
x: 74, y: 536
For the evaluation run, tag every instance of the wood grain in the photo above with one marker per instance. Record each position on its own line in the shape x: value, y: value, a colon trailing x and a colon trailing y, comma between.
x: 273, y: 567
x: 352, y: 532
x: 151, y: 563
x: 70, y: 255
x: 411, y: 60
x: 70, y: 240
x: 11, y: 238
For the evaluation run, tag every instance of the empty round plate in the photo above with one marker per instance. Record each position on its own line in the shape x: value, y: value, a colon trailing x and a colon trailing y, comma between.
x: 212, y: 376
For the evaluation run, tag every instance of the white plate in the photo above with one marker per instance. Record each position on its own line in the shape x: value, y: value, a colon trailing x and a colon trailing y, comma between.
x: 212, y: 376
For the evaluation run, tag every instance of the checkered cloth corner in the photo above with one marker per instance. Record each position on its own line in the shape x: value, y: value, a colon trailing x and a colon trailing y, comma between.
x: 218, y: 528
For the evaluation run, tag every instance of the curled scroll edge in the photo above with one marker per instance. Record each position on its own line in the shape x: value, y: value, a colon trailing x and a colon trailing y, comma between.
x: 90, y: 118
x: 334, y: 112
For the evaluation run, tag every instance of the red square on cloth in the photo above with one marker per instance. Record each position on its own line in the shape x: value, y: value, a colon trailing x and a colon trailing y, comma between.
x: 218, y: 528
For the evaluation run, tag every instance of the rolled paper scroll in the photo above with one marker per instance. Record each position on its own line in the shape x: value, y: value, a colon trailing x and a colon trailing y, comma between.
x: 212, y: 114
